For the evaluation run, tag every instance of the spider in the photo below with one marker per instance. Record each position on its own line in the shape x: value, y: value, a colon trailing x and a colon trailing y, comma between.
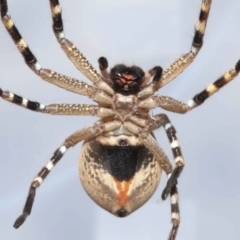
x: 121, y: 161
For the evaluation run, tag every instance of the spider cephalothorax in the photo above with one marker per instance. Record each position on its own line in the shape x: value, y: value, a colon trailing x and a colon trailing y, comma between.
x: 121, y: 161
x: 126, y: 80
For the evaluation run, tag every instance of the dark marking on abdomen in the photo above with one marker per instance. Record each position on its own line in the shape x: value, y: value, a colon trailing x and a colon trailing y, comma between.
x: 122, y: 162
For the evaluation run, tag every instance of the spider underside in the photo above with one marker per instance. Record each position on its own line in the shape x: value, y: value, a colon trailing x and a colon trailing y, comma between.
x: 121, y: 162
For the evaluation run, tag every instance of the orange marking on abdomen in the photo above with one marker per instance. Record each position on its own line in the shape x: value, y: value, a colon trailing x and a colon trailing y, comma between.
x: 123, y: 188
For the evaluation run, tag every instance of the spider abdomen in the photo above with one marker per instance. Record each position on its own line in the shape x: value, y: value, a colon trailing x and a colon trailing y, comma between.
x: 118, y: 178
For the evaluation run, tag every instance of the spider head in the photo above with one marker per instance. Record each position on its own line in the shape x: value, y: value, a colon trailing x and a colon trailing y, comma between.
x: 126, y: 80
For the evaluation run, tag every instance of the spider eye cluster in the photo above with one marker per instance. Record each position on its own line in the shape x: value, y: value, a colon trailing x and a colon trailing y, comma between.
x: 126, y: 80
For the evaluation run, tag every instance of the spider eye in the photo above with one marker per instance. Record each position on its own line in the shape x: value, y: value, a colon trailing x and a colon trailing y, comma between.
x: 118, y: 74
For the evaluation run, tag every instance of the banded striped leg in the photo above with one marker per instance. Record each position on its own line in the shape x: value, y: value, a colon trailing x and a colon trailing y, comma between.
x: 68, y: 47
x: 174, y: 105
x: 175, y: 213
x: 29, y: 58
x: 199, y: 98
x: 164, y: 121
x: 57, y: 109
x: 161, y: 120
x: 84, y: 134
x: 162, y: 159
x: 186, y: 59
x: 58, y: 79
x: 23, y: 102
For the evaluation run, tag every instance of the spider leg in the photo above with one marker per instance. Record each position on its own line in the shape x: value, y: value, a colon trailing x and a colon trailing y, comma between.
x: 57, y: 109
x: 199, y: 98
x: 186, y: 59
x: 83, y: 134
x: 58, y: 79
x: 151, y: 124
x: 161, y: 157
x: 23, y: 102
x: 79, y: 110
x: 68, y: 47
x: 165, y: 102
x: 163, y: 120
x: 176, y: 106
x: 150, y: 142
x: 175, y: 214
